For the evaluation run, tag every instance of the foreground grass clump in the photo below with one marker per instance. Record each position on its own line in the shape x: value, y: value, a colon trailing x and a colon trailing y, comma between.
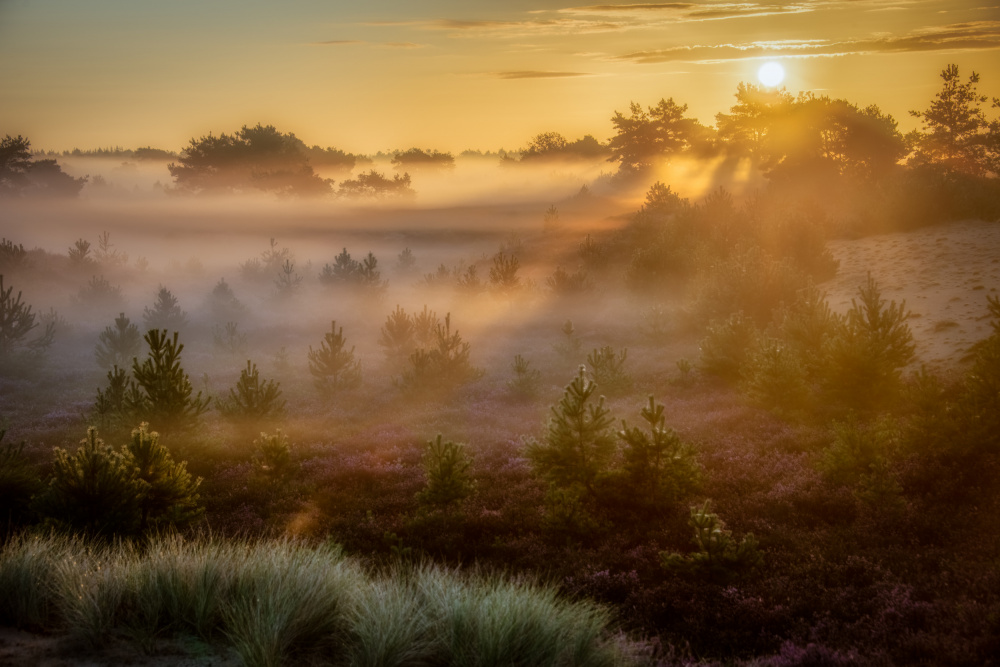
x: 280, y: 601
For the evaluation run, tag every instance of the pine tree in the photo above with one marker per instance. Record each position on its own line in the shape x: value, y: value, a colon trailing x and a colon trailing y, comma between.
x: 16, y: 322
x: 446, y: 465
x: 503, y: 274
x: 955, y: 128
x: 272, y: 457
x: 166, y: 389
x: 397, y: 336
x: 425, y: 326
x: 526, y: 381
x: 657, y: 466
x: 870, y: 347
x: 93, y: 491
x: 223, y: 304
x: 579, y: 444
x: 609, y: 368
x: 169, y: 496
x: 165, y: 313
x: 334, y: 368
x: 719, y: 557
x: 252, y: 398
x: 571, y: 349
x: 442, y: 367
x: 117, y: 347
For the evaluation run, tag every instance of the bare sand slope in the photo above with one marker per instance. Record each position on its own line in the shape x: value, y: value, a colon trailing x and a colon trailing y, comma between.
x: 943, y: 273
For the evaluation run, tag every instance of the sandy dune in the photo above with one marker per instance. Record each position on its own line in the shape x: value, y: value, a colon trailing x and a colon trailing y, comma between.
x: 943, y: 273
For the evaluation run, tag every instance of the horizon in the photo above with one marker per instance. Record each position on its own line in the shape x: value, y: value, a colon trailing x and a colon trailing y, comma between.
x: 450, y: 76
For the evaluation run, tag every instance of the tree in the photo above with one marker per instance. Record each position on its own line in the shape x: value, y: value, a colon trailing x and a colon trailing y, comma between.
x: 503, y: 274
x: 443, y: 366
x: 397, y: 336
x: 868, y: 349
x: 955, y: 129
x: 166, y: 390
x: 645, y: 136
x: 658, y: 467
x: 166, y: 313
x: 374, y: 185
x: 334, y: 367
x: 169, y: 495
x: 446, y: 465
x: 116, y: 347
x: 258, y: 158
x: 579, y: 444
x: 94, y: 490
x: 252, y: 397
x: 20, y: 175
x: 416, y: 158
x: 16, y: 322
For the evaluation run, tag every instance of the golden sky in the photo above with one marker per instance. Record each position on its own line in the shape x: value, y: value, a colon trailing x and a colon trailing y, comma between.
x: 450, y: 75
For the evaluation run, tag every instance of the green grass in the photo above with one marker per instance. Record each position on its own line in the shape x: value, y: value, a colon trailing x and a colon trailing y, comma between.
x: 279, y: 602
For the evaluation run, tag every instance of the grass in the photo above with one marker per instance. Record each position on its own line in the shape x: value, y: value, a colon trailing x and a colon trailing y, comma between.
x: 282, y: 601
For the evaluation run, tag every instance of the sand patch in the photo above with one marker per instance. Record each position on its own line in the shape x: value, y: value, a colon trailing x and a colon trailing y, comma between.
x: 943, y: 273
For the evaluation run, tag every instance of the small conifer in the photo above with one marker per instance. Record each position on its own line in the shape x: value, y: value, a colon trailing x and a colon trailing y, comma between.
x: 334, y: 367
x: 166, y: 313
x: 446, y: 465
x: 117, y: 347
x: 252, y: 397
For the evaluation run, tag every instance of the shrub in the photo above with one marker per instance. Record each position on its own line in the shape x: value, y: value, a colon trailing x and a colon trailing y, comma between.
x: 118, y: 346
x: 229, y: 339
x: 223, y: 304
x: 658, y: 468
x: 858, y: 448
x: 719, y: 556
x: 867, y: 351
x: 526, y: 381
x: 272, y: 456
x: 774, y: 376
x: 79, y: 253
x: 397, y: 336
x: 12, y: 256
x: 100, y: 294
x: 727, y: 344
x: 93, y: 491
x: 442, y: 367
x: 16, y: 322
x: 503, y: 274
x: 169, y: 495
x: 287, y: 281
x: 446, y: 465
x: 166, y: 392
x: 609, y: 369
x: 252, y: 397
x: 580, y: 442
x: 571, y: 348
x: 567, y: 284
x: 166, y: 313
x: 19, y: 481
x: 334, y: 367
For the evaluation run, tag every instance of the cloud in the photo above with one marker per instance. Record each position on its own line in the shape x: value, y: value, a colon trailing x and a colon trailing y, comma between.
x: 973, y: 36
x: 514, y: 29
x: 403, y: 45
x: 683, y: 12
x: 337, y: 42
x: 537, y: 74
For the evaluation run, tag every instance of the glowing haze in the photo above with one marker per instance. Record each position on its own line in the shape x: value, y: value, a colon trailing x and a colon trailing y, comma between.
x: 451, y: 75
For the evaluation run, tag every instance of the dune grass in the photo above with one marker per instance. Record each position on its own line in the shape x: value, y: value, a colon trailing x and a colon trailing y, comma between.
x: 280, y: 602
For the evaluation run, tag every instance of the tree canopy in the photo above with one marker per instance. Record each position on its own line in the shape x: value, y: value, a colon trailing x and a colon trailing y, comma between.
x: 20, y: 175
x: 258, y: 158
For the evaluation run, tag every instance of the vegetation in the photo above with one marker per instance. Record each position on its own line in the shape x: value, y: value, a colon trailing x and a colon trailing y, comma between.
x: 118, y: 346
x: 332, y: 365
x: 252, y: 397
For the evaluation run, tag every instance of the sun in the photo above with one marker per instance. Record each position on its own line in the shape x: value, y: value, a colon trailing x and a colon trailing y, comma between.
x: 771, y: 74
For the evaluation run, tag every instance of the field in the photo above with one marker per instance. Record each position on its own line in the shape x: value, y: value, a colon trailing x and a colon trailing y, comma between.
x: 862, y: 528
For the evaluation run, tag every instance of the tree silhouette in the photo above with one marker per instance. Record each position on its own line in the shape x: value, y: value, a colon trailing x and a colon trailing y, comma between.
x: 20, y: 175
x: 955, y: 132
x: 258, y: 158
x: 661, y: 131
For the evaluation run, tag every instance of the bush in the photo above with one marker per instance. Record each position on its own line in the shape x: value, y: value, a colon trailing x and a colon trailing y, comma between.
x: 443, y: 367
x: 334, y: 367
x: 719, y: 557
x: 397, y: 336
x: 229, y: 339
x: 727, y: 344
x: 166, y: 313
x: 166, y: 392
x: 446, y: 465
x: 272, y: 456
x: 19, y: 481
x: 252, y: 398
x: 526, y: 381
x: 16, y: 322
x: 102, y: 492
x: 609, y: 369
x: 867, y: 351
x: 118, y: 346
x: 579, y: 444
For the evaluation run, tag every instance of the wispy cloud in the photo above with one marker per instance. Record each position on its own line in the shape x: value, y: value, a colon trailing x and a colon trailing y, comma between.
x: 536, y: 74
x: 403, y: 45
x: 974, y: 36
x: 512, y: 29
x: 680, y: 12
x: 337, y: 42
